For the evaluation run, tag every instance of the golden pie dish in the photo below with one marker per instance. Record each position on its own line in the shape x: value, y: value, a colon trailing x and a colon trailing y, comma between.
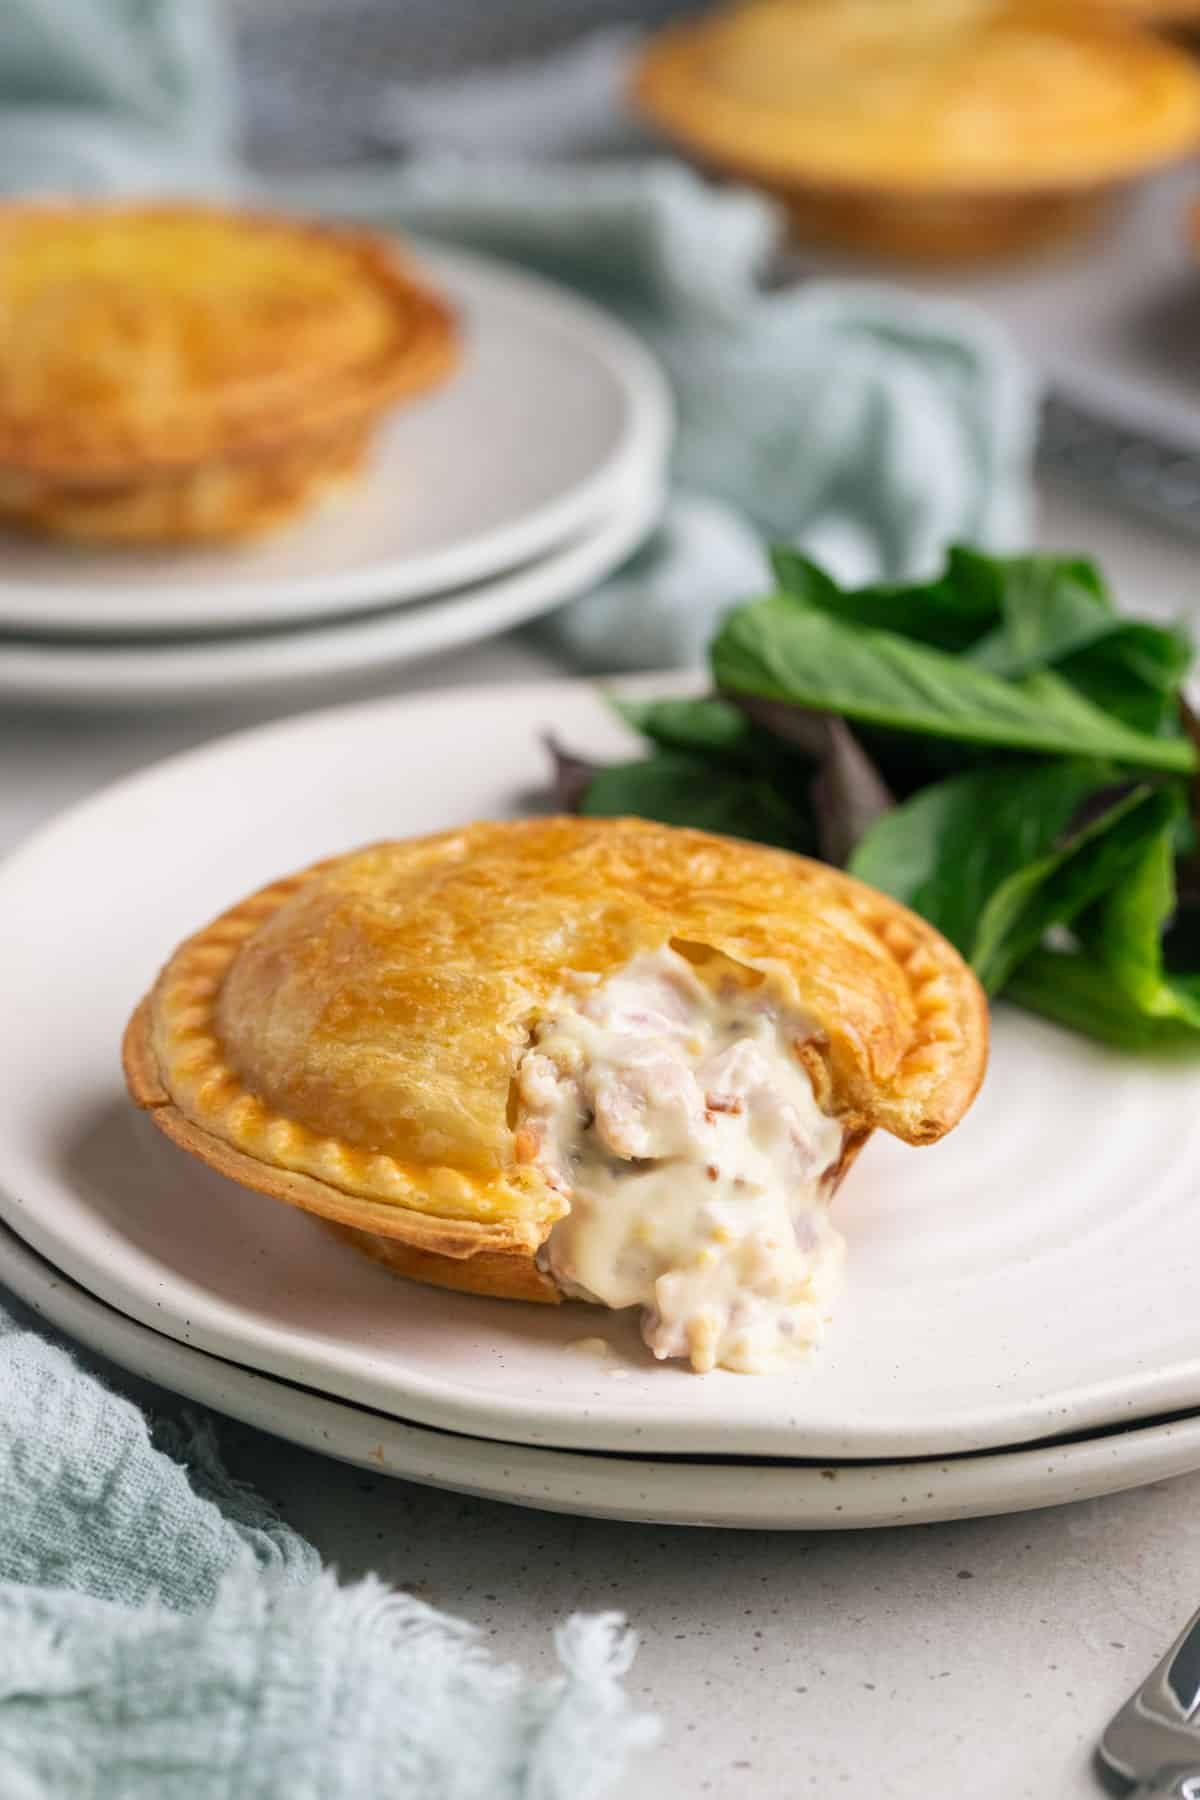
x: 595, y: 1058
x: 176, y: 373
x: 951, y: 130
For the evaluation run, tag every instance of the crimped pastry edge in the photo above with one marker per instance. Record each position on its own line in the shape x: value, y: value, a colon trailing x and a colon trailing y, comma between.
x: 931, y: 1088
x: 426, y: 1234
x: 192, y: 976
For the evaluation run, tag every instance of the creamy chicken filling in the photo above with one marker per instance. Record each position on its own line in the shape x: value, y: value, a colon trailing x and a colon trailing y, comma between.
x: 670, y: 1105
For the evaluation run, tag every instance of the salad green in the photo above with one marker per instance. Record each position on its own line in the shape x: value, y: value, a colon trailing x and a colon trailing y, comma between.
x: 1000, y: 748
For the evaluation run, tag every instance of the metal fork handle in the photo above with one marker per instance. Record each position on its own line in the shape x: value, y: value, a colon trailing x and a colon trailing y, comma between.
x: 1170, y: 1784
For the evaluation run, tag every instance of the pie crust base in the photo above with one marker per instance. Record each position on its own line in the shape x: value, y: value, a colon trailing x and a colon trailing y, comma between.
x: 939, y: 228
x: 221, y: 501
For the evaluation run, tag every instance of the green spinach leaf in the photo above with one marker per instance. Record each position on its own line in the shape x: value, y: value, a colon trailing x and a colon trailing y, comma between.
x: 997, y: 856
x: 1012, y: 613
x: 1134, y: 672
x: 682, y: 789
x: 1125, y: 934
x: 1015, y: 615
x: 1057, y: 614
x: 1073, y: 989
x: 1057, y: 887
x: 780, y: 651
x: 949, y: 613
x: 705, y: 727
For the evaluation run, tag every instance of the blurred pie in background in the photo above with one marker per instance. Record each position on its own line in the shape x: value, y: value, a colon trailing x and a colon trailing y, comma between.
x: 1164, y: 12
x: 942, y: 131
x: 178, y: 373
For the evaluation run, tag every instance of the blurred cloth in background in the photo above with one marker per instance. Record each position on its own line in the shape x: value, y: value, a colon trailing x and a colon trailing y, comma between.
x: 867, y: 425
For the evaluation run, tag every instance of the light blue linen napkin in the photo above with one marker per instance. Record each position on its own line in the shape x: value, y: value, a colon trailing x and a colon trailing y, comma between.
x: 164, y: 1637
x: 869, y: 425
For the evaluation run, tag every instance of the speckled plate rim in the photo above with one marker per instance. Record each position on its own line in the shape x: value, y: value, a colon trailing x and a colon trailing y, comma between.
x: 738, y: 1494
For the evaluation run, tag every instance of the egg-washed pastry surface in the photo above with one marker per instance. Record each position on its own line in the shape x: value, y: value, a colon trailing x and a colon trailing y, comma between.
x: 602, y: 1058
x: 961, y: 125
x: 177, y: 372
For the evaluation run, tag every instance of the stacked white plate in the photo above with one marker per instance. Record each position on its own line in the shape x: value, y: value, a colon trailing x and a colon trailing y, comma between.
x: 531, y: 475
x: 1019, y: 1321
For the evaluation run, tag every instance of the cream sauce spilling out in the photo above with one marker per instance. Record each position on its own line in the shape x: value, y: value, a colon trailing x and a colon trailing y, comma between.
x: 675, y: 1113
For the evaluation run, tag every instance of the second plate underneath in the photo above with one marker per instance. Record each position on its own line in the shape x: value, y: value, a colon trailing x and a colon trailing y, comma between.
x: 179, y: 671
x: 752, y: 1496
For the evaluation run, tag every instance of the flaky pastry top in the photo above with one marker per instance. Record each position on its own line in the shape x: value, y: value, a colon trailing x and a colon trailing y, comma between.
x: 361, y: 1023
x: 136, y: 338
x: 956, y: 95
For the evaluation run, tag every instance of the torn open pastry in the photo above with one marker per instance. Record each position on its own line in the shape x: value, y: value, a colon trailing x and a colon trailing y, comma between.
x: 600, y: 1059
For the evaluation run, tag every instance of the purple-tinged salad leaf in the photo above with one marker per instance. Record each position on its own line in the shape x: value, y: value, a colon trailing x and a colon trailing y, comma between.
x: 847, y: 794
x: 571, y: 775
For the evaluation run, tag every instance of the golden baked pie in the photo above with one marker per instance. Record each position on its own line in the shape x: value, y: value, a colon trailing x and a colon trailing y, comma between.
x: 955, y: 128
x: 599, y: 1058
x: 179, y: 372
x: 1159, y: 12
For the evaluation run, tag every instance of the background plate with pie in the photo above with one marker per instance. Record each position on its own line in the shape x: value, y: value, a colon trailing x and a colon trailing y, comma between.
x: 552, y: 419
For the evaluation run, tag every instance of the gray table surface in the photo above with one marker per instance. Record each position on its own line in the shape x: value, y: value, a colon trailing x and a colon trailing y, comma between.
x: 977, y: 1659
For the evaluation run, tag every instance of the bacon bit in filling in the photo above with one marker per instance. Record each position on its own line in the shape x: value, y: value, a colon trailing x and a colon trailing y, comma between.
x: 526, y: 1146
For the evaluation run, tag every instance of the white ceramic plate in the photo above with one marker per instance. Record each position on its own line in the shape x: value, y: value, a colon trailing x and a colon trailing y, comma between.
x: 177, y: 672
x: 555, y: 414
x: 791, y: 1496
x: 1033, y: 1275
